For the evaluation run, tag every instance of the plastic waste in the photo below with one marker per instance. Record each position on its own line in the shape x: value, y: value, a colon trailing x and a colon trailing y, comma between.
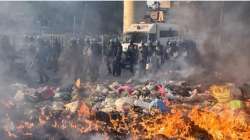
x: 225, y: 93
x: 101, y: 89
x: 46, y: 93
x: 108, y: 105
x: 169, y: 94
x: 123, y: 102
x: 161, y: 90
x: 150, y: 86
x: 125, y: 89
x: 78, y: 83
x: 72, y: 107
x: 221, y: 93
x: 245, y: 91
x: 236, y: 104
x: 142, y: 104
x: 159, y: 104
x: 114, y: 85
x: 62, y: 96
x: 20, y: 95
x: 57, y: 106
x: 8, y: 125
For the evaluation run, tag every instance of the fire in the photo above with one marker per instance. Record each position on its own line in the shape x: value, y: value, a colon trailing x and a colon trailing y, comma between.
x: 198, y: 123
x: 179, y: 124
x: 173, y: 125
x: 226, y: 125
x: 84, y: 110
x: 169, y: 125
x: 182, y: 122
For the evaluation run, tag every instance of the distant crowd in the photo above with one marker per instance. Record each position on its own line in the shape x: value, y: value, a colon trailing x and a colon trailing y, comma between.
x: 82, y: 57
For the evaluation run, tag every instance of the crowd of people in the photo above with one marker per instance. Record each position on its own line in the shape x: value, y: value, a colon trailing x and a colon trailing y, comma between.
x: 83, y: 57
x: 145, y: 56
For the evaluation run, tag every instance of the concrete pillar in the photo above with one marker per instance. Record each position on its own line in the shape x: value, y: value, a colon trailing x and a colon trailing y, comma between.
x: 133, y: 12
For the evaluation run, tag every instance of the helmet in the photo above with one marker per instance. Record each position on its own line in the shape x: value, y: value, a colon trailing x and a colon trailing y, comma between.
x: 110, y: 41
x: 142, y: 43
x: 131, y: 41
x: 73, y: 41
x: 116, y: 40
x: 157, y: 42
x: 168, y: 43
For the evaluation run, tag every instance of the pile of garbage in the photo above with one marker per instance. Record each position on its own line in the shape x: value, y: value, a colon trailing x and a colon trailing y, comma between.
x: 148, y: 110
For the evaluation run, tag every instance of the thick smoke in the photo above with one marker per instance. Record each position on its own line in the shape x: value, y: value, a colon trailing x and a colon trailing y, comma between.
x: 21, y: 19
x: 221, y: 31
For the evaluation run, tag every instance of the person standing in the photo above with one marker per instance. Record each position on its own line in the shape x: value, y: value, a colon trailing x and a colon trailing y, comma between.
x: 109, y: 56
x: 131, y: 56
x: 117, y: 55
x: 159, y: 53
x: 56, y: 48
x: 70, y: 61
x: 143, y: 57
x: 95, y: 59
x: 42, y: 58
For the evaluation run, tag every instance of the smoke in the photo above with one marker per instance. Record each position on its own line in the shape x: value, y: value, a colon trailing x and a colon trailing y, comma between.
x: 37, y: 19
x: 220, y: 30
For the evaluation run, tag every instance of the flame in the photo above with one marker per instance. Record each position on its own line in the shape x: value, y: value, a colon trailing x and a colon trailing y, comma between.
x: 84, y: 110
x: 179, y: 124
x: 182, y: 123
x: 226, y: 125
x: 174, y: 125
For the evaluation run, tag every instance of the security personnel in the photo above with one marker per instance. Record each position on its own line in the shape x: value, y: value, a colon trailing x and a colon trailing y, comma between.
x: 109, y: 55
x: 131, y: 56
x: 7, y: 50
x: 151, y: 48
x: 42, y: 61
x: 167, y: 50
x: 143, y: 57
x: 117, y: 55
x: 96, y: 50
x: 159, y: 52
x: 56, y: 51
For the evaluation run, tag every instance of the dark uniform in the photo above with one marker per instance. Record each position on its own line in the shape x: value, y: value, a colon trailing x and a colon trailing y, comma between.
x: 151, y: 49
x: 109, y: 55
x: 159, y: 52
x: 131, y: 56
x: 167, y: 50
x: 7, y: 51
x: 56, y: 51
x: 96, y: 51
x: 173, y: 50
x: 42, y: 61
x: 70, y: 61
x: 154, y: 60
x: 143, y: 57
x: 117, y: 55
x: 8, y: 55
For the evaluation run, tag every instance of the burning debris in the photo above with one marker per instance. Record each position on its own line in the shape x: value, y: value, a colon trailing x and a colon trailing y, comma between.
x: 149, y: 110
x: 151, y: 52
